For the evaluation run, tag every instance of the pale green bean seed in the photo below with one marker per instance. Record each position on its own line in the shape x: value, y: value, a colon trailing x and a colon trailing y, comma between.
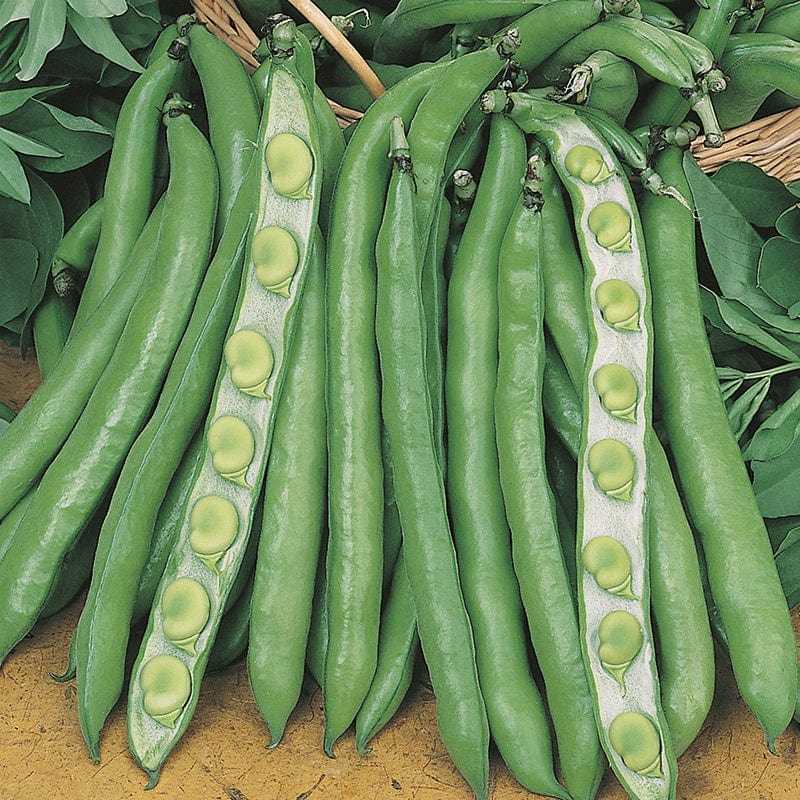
x: 618, y: 391
x: 166, y: 685
x: 214, y: 525
x: 250, y: 359
x: 619, y: 304
x: 290, y: 164
x: 586, y: 163
x: 621, y: 639
x: 609, y: 563
x: 636, y: 739
x: 184, y: 612
x: 276, y: 258
x: 611, y: 224
x: 612, y: 465
x: 232, y: 447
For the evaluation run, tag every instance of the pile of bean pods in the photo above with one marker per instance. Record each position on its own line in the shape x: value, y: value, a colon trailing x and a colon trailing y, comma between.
x: 360, y: 403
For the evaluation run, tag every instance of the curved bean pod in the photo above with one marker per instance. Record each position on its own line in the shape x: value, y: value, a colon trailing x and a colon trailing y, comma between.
x: 294, y: 515
x: 717, y: 488
x: 72, y: 486
x: 129, y: 179
x: 218, y: 518
x: 444, y: 630
x: 478, y: 514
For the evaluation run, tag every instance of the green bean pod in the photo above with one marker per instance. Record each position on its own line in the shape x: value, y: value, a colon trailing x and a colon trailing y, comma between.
x: 685, y: 644
x: 398, y: 648
x: 231, y: 641
x: 294, y: 516
x: 74, y: 483
x: 128, y: 527
x: 757, y: 64
x: 475, y: 496
x: 52, y: 322
x: 715, y: 482
x: 612, y: 545
x: 606, y: 81
x: 444, y: 630
x: 216, y: 525
x: 76, y: 250
x: 354, y: 556
x: 231, y: 107
x: 128, y: 186
x: 538, y: 562
x: 31, y: 442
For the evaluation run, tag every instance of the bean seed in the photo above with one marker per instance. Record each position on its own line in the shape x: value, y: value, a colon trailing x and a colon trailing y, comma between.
x: 586, y: 164
x: 166, y: 685
x: 611, y: 225
x: 609, y: 563
x: 618, y: 391
x: 184, y: 607
x: 250, y: 359
x: 276, y: 256
x: 636, y: 739
x: 232, y: 447
x: 612, y: 465
x: 621, y: 639
x: 619, y: 304
x: 214, y: 524
x: 290, y: 165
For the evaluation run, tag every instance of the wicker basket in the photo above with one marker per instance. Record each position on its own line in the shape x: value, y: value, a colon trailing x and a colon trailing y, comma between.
x: 772, y: 143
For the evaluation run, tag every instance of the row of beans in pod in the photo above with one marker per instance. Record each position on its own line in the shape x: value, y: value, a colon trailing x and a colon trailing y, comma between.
x: 362, y: 414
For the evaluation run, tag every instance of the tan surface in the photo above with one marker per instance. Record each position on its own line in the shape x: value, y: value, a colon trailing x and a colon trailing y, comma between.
x: 222, y: 756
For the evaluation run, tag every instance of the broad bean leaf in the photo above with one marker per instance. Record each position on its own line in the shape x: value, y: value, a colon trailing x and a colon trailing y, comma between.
x: 731, y: 243
x: 742, y: 410
x: 18, y: 264
x: 777, y: 433
x: 788, y: 565
x: 729, y: 388
x: 81, y: 139
x: 98, y: 35
x: 12, y: 99
x: 734, y: 319
x: 791, y: 534
x: 99, y: 8
x: 779, y: 270
x: 788, y: 223
x: 27, y: 146
x: 139, y: 25
x: 760, y: 198
x: 776, y: 482
x: 45, y: 31
x: 13, y: 181
x: 12, y: 10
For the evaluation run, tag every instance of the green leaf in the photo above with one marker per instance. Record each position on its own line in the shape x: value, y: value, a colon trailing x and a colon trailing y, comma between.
x: 729, y: 388
x: 12, y: 11
x: 759, y: 197
x: 733, y: 318
x: 19, y: 261
x: 791, y: 537
x: 731, y: 243
x: 45, y: 32
x: 75, y: 123
x: 775, y: 483
x: 139, y: 25
x: 779, y: 270
x: 99, y: 8
x: 13, y: 182
x: 788, y: 223
x: 729, y: 374
x: 22, y: 144
x: 79, y: 141
x: 98, y: 35
x: 13, y: 99
x: 788, y: 565
x: 777, y: 433
x: 742, y: 410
